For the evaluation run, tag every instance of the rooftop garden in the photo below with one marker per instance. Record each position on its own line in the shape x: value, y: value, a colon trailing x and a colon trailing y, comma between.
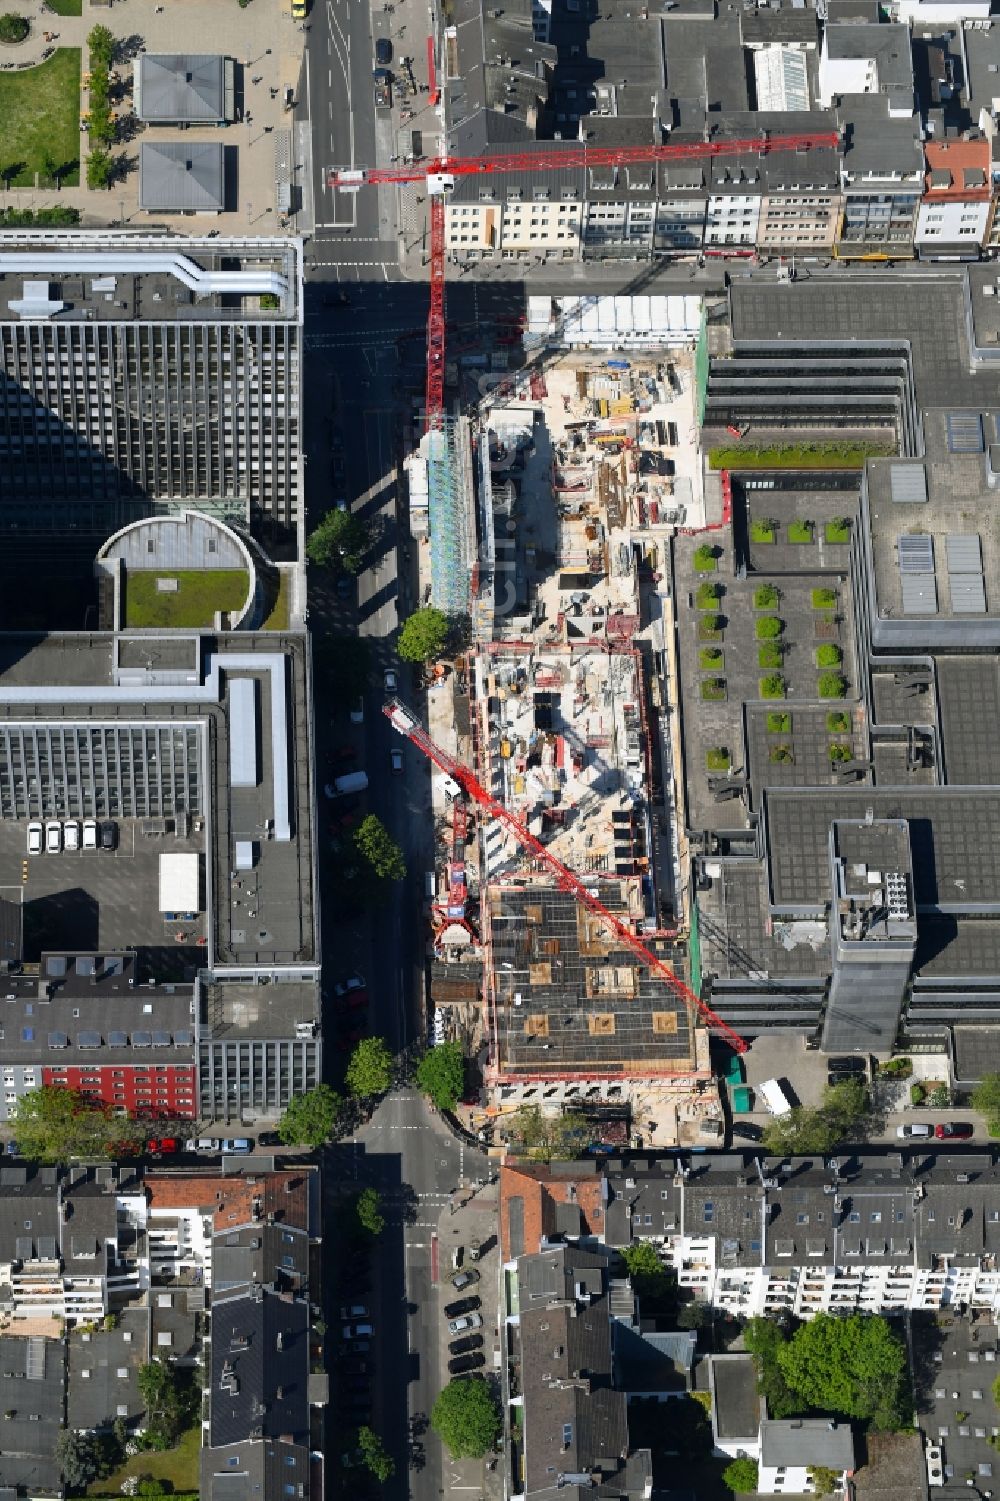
x: 191, y: 603
x: 797, y: 456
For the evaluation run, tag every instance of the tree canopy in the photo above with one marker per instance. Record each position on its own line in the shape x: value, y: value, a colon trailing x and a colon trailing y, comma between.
x: 368, y: 1211
x: 547, y: 1136
x: 741, y: 1476
x: 986, y: 1099
x: 441, y: 1074
x: 424, y: 635
x: 170, y: 1399
x: 374, y: 1456
x: 466, y: 1417
x: 310, y: 1119
x: 653, y: 1283
x: 82, y: 1457
x: 842, y: 1116
x: 53, y: 1124
x: 369, y: 1071
x: 379, y: 850
x: 339, y: 541
x: 763, y: 1338
x: 855, y: 1367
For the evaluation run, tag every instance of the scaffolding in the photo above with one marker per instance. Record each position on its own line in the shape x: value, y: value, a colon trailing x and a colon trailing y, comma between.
x: 451, y: 497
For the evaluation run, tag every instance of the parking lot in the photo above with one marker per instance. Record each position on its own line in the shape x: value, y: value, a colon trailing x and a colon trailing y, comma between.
x: 89, y: 901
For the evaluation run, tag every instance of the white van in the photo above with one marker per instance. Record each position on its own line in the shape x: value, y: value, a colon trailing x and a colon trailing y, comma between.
x: 774, y: 1097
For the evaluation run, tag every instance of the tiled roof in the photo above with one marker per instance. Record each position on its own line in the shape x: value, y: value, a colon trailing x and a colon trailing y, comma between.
x: 530, y: 1198
x: 284, y: 1195
x: 957, y: 170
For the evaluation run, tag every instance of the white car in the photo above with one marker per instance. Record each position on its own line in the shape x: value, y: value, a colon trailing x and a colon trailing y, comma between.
x: 53, y: 836
x: 468, y: 1321
x: 71, y: 834
x: 905, y: 1132
x: 90, y: 833
x: 35, y: 838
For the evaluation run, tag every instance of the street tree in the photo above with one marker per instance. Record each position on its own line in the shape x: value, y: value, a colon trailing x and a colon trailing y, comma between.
x: 741, y: 1476
x: 424, y: 635
x: 986, y: 1099
x: 379, y: 850
x: 374, y: 1456
x: 53, y: 1124
x: 311, y: 1119
x: 842, y: 1116
x: 855, y: 1367
x: 466, y: 1417
x: 368, y: 1211
x: 369, y: 1071
x: 339, y: 541
x: 441, y: 1074
x: 100, y: 167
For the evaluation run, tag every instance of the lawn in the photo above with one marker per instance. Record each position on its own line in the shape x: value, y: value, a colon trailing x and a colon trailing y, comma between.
x: 278, y: 618
x: 67, y: 7
x: 39, y: 115
x: 180, y: 1465
x: 797, y: 456
x: 199, y: 594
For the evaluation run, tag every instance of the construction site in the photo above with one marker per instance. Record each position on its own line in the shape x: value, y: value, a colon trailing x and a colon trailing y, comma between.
x: 575, y: 474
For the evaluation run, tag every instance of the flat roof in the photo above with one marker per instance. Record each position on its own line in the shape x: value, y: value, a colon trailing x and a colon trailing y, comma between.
x: 113, y: 1020
x: 954, y: 836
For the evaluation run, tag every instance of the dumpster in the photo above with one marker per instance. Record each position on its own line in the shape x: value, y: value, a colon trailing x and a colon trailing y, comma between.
x: 742, y: 1098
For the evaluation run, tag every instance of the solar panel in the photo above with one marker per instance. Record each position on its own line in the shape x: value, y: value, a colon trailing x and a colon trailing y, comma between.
x: 58, y: 1040
x: 965, y: 432
x: 86, y: 966
x: 55, y: 964
x: 89, y: 1039
x: 117, y: 1039
x: 24, y: 1247
x: 161, y: 1039
x: 183, y: 1038
x: 142, y: 1039
x: 114, y: 966
x: 47, y: 1247
x: 34, y: 1362
x: 916, y: 553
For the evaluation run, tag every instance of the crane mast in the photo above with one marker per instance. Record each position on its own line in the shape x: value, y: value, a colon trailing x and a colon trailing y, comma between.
x: 405, y: 722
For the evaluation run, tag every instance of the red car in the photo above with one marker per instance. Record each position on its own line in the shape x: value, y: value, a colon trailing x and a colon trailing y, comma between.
x: 162, y: 1146
x: 953, y: 1131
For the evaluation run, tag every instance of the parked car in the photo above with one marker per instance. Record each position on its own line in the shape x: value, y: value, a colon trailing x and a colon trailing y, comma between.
x: 470, y: 1321
x: 747, y: 1131
x: 920, y: 1131
x: 354, y: 1311
x: 357, y: 1331
x: 352, y: 983
x: 849, y: 1064
x: 53, y: 836
x: 90, y: 833
x: 71, y: 834
x: 953, y: 1131
x: 383, y: 51
x: 11, y: 1148
x: 465, y: 1363
x: 269, y: 1139
x: 465, y: 1344
x: 462, y: 1305
x: 201, y: 1144
x: 464, y: 1279
x: 396, y: 762
x: 238, y: 1144
x: 109, y: 835
x: 35, y: 835
x: 361, y: 1346
x: 389, y: 680
x: 162, y: 1146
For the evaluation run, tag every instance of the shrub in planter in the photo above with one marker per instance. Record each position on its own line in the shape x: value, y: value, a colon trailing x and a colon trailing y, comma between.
x: 705, y: 559
x: 772, y: 686
x: 917, y: 1094
x: 838, y: 529
x: 708, y: 596
x: 824, y: 599
x: 710, y: 658
x: 829, y: 655
x: 762, y: 529
x: 779, y: 723
x: 838, y: 724
x: 832, y: 685
x: 768, y: 627
x: 713, y: 688
x: 840, y: 752
x: 780, y: 755
x: 800, y: 531
x: 13, y: 28
x: 717, y: 758
x: 710, y: 627
x: 765, y: 597
x: 770, y: 655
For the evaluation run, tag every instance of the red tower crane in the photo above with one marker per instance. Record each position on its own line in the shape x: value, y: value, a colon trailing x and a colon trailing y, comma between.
x: 405, y: 722
x: 437, y: 177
